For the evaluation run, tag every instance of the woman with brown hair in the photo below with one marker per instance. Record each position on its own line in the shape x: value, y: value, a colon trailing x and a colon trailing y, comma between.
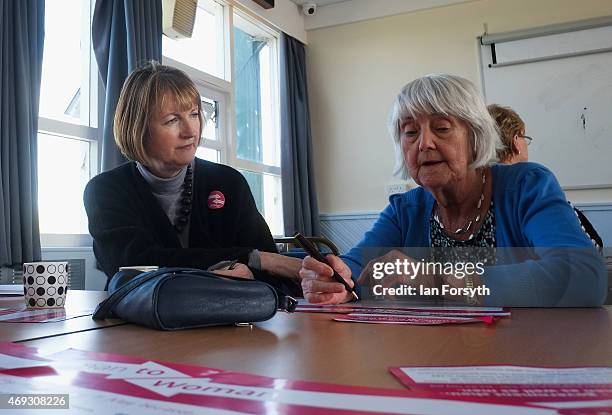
x: 168, y: 208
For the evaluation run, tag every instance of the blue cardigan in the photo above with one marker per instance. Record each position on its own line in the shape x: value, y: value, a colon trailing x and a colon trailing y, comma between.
x: 530, y: 211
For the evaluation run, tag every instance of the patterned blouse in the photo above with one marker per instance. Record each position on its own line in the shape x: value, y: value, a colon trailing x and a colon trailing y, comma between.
x: 480, y: 248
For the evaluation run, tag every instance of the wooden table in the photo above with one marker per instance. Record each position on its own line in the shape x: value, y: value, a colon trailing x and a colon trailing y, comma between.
x: 310, y: 346
x: 75, y: 301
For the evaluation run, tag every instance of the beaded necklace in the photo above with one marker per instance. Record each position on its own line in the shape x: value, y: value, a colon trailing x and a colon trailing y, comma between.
x: 474, y: 221
x: 185, y: 201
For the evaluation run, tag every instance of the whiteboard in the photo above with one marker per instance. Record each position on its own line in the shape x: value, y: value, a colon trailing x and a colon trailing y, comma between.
x: 550, y: 96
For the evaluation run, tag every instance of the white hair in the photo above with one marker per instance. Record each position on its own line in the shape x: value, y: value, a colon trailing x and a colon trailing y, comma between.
x: 449, y: 95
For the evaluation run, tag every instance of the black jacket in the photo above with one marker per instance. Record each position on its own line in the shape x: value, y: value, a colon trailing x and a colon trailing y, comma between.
x: 129, y: 226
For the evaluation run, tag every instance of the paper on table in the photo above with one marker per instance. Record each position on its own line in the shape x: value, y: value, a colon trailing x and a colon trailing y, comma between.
x: 42, y: 315
x: 430, y: 312
x: 100, y: 383
x: 378, y: 307
x: 572, y: 390
x: 396, y: 309
x: 508, y: 374
x: 13, y: 356
x: 419, y: 320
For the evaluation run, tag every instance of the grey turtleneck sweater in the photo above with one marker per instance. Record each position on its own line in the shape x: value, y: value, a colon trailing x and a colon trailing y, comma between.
x: 168, y: 193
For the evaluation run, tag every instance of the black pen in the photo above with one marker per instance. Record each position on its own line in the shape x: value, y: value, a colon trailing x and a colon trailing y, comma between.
x: 312, y: 250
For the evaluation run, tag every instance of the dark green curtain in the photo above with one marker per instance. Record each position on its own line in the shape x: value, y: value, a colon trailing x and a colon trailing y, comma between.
x: 21, y: 53
x: 125, y: 35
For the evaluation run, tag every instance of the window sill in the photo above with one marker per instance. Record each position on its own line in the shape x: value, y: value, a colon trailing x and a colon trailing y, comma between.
x: 76, y: 242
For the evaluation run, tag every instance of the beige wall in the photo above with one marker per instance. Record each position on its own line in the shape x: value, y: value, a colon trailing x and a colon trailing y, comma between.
x: 355, y: 70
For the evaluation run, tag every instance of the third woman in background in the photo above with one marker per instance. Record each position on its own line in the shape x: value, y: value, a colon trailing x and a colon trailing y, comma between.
x: 515, y: 150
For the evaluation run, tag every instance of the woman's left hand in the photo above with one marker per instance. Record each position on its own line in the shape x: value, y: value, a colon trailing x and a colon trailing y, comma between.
x: 238, y: 270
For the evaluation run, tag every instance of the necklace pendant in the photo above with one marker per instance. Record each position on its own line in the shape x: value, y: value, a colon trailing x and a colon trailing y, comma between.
x: 439, y: 221
x: 464, y: 229
x: 468, y: 226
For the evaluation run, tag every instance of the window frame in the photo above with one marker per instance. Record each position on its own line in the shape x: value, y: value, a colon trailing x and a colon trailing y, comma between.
x: 256, y: 27
x: 222, y: 90
x: 85, y: 129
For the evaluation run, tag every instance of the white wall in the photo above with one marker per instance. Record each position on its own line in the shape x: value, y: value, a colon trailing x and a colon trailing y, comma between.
x: 358, y: 10
x: 355, y: 70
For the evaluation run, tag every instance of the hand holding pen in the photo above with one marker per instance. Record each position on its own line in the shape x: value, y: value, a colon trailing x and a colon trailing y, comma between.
x: 325, y: 280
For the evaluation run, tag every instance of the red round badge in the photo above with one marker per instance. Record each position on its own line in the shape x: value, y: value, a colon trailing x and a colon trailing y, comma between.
x: 216, y: 200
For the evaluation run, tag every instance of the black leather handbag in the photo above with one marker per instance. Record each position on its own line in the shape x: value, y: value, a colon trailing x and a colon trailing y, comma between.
x: 183, y: 298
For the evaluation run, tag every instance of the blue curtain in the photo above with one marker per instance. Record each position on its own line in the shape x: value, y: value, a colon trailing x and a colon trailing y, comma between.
x: 21, y: 53
x: 300, y: 209
x: 125, y: 35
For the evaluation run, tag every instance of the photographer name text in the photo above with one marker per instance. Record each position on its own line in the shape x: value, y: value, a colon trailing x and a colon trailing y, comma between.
x: 444, y: 290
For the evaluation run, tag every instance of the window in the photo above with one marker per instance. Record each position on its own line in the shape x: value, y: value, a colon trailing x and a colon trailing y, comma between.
x: 209, y: 149
x: 67, y: 76
x: 233, y: 59
x: 205, y: 50
x: 67, y: 151
x: 257, y: 122
x: 239, y: 98
x: 212, y: 145
x: 64, y: 169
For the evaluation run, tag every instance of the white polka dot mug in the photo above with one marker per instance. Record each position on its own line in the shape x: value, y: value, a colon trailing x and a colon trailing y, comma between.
x: 45, y: 284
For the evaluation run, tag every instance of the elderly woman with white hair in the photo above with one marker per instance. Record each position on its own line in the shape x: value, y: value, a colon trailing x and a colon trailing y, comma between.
x: 447, y: 141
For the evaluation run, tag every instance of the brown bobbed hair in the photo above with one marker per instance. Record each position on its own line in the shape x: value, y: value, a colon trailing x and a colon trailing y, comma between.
x: 143, y: 93
x: 509, y: 124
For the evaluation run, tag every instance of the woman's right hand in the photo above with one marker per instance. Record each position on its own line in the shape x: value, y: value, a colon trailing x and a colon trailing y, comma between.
x: 238, y: 270
x: 318, y: 284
